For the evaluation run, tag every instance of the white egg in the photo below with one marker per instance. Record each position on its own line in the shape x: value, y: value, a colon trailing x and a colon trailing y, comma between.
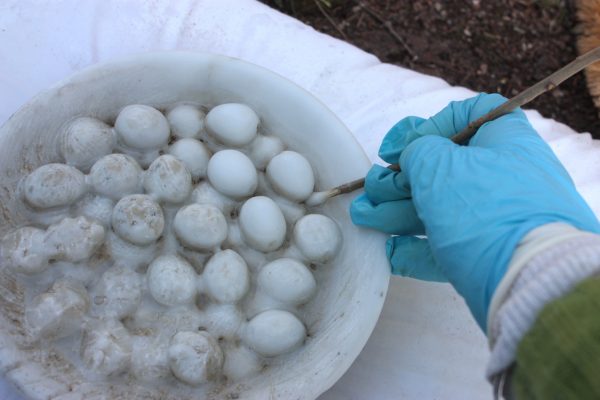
x: 318, y: 237
x: 138, y: 219
x: 287, y: 280
x: 262, y: 224
x: 84, y: 141
x: 171, y: 280
x: 116, y: 175
x: 263, y: 149
x: 23, y: 250
x: 291, y: 175
x: 204, y: 193
x: 59, y: 312
x: 167, y: 179
x: 106, y: 347
x: 233, y: 124
x: 142, y: 127
x: 194, y: 154
x: 274, y: 332
x: 223, y: 320
x: 195, y: 357
x: 226, y: 276
x: 201, y: 226
x: 150, y: 359
x: 74, y: 239
x: 118, y: 293
x: 54, y: 185
x: 232, y: 173
x: 186, y: 121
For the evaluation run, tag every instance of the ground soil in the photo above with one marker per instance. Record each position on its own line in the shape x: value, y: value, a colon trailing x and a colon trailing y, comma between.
x: 499, y: 46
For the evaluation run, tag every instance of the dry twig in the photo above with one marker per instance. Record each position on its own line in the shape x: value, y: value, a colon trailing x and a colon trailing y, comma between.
x: 387, y: 25
x: 331, y: 20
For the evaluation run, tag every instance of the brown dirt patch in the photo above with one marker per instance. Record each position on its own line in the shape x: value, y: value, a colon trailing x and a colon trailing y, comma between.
x: 499, y: 46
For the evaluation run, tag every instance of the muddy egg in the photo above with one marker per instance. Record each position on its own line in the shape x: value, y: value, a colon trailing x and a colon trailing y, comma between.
x: 74, y: 239
x: 193, y: 154
x: 24, y: 250
x: 233, y: 124
x: 263, y: 149
x: 84, y: 141
x: 232, y: 173
x: 201, y: 226
x: 195, y: 357
x: 262, y: 224
x: 138, y: 219
x: 59, y: 312
x: 318, y: 237
x: 291, y: 175
x: 54, y: 185
x: 274, y: 332
x: 118, y: 293
x: 171, y: 280
x: 186, y: 121
x: 116, y: 175
x: 226, y: 276
x: 142, y: 127
x: 167, y: 179
x: 287, y: 280
x: 106, y: 347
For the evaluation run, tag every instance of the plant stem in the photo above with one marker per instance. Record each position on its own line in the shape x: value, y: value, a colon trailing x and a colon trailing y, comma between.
x: 330, y: 20
x: 387, y: 25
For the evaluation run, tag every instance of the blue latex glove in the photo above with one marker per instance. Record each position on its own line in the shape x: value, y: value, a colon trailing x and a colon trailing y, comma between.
x: 474, y: 203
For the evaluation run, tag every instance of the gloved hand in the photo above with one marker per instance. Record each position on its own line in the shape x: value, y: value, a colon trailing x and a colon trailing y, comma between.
x: 474, y: 203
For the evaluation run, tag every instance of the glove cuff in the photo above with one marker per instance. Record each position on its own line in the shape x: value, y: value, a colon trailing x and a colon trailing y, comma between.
x: 547, y: 264
x: 535, y: 242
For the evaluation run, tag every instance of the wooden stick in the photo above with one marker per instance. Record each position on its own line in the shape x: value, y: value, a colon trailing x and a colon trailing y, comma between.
x: 546, y: 84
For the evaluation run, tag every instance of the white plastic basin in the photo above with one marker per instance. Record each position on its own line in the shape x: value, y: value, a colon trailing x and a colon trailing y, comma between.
x: 349, y: 300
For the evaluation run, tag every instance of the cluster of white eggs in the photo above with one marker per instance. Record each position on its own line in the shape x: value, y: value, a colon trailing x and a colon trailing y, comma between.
x: 171, y: 246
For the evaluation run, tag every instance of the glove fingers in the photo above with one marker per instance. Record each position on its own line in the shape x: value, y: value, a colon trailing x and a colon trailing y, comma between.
x: 426, y: 162
x: 506, y: 131
x: 509, y: 130
x: 382, y: 185
x: 397, y: 138
x: 412, y: 257
x: 446, y: 123
x: 392, y: 217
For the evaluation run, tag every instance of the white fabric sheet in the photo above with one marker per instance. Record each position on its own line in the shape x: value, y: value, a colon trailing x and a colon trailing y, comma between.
x: 426, y: 345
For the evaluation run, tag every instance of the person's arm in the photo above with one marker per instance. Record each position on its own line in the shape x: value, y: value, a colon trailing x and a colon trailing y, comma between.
x: 502, y: 220
x: 549, y: 263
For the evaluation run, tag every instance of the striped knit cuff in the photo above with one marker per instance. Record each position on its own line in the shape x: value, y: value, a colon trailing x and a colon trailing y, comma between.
x: 545, y: 274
